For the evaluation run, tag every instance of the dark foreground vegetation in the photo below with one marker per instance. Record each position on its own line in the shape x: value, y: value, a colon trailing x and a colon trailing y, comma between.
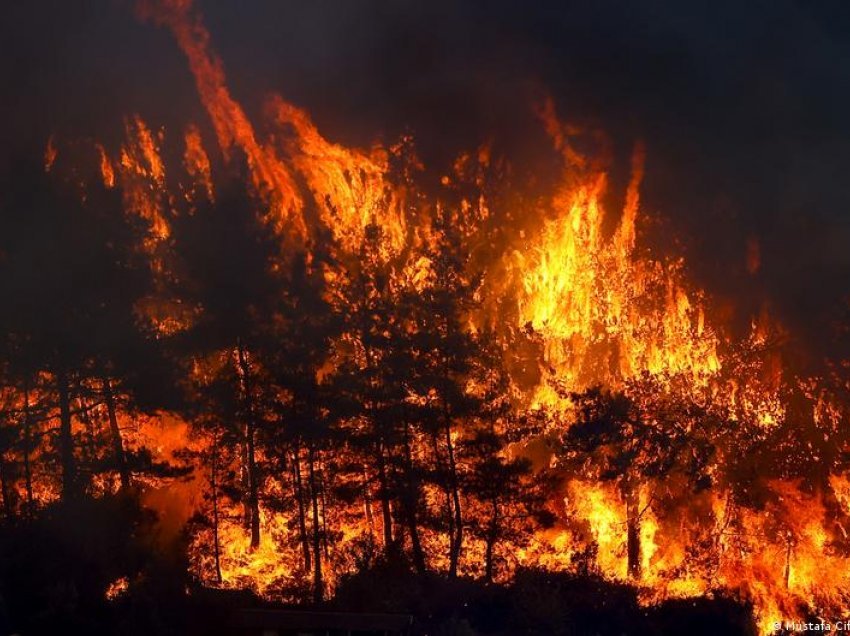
x: 55, y: 570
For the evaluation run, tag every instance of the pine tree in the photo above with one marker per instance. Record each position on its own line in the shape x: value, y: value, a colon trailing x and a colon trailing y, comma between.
x: 73, y: 320
x: 303, y: 407
x: 224, y: 267
x: 637, y: 437
x: 445, y: 351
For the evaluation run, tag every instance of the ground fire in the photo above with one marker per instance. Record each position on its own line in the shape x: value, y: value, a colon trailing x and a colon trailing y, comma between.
x: 283, y: 362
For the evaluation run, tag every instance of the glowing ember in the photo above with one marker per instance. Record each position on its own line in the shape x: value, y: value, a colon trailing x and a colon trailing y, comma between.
x: 117, y: 588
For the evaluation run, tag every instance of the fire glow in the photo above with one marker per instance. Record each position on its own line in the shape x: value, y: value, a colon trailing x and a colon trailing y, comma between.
x: 573, y: 323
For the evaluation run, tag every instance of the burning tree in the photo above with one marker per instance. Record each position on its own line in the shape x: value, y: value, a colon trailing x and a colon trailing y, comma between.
x: 637, y: 439
x: 508, y: 498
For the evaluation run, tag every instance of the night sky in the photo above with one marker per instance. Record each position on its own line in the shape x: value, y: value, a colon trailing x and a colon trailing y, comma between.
x: 745, y: 110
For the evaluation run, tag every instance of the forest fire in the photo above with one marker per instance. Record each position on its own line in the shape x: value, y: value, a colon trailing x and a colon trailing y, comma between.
x: 307, y: 360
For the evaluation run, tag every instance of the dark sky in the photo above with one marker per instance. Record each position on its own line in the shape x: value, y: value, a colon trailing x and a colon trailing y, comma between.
x: 744, y: 106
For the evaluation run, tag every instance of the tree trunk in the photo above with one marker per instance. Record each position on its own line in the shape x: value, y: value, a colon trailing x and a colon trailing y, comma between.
x: 5, y: 488
x: 457, y: 540
x: 789, y: 550
x: 386, y: 508
x: 115, y: 433
x: 367, y: 503
x: 89, y: 448
x: 411, y: 501
x: 324, y: 506
x: 442, y: 471
x: 493, y: 526
x: 490, y: 548
x: 417, y: 551
x: 383, y: 486
x: 251, y: 464
x: 27, y: 444
x: 318, y: 582
x: 299, y: 497
x: 632, y: 497
x: 70, y: 488
x: 214, y: 488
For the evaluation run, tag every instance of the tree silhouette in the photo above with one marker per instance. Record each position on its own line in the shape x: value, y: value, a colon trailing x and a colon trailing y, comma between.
x: 223, y: 269
x: 73, y: 318
x: 638, y: 437
x: 371, y: 382
x: 509, y: 500
x: 446, y: 352
x: 304, y: 409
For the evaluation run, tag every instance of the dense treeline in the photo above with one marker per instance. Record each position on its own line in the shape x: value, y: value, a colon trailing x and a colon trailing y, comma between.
x: 307, y: 381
